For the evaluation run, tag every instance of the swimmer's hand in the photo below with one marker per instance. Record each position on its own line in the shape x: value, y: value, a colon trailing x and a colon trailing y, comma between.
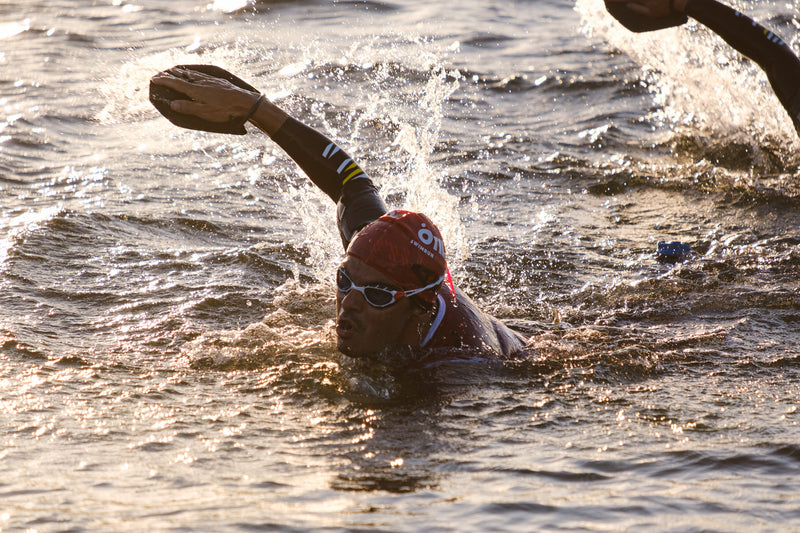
x: 209, y: 97
x: 204, y: 97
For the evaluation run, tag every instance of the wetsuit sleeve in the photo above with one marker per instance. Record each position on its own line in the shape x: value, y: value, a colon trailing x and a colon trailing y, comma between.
x: 335, y: 172
x: 752, y: 40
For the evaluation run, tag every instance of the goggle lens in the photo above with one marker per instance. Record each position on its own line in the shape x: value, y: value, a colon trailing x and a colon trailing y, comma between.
x: 375, y: 296
x: 378, y: 296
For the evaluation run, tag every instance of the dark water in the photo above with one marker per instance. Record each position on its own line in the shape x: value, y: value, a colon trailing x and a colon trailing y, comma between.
x: 167, y: 358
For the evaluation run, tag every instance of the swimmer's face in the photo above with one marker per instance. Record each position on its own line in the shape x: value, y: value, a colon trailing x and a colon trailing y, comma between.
x: 364, y: 331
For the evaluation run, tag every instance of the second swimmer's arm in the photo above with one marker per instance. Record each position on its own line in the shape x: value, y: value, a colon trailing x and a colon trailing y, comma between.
x: 752, y: 40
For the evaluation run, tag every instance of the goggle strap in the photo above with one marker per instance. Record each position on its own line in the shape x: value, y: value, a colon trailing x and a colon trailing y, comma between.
x: 450, y: 283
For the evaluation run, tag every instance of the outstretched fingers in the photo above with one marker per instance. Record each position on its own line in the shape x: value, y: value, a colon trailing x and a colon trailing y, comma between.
x: 207, y: 97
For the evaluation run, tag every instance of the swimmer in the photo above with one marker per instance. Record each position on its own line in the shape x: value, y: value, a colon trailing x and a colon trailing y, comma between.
x: 395, y: 301
x: 749, y: 38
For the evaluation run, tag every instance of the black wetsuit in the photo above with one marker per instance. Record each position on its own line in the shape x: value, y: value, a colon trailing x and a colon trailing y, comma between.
x: 752, y: 40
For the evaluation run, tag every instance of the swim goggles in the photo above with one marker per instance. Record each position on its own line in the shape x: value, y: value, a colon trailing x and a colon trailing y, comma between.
x: 379, y: 297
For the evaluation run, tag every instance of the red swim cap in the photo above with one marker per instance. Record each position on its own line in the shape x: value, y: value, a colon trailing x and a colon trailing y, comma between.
x: 404, y: 246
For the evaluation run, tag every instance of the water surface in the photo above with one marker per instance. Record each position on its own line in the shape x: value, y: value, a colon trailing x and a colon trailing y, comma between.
x: 167, y: 358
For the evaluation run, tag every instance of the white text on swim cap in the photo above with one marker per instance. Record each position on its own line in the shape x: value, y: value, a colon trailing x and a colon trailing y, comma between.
x: 427, y: 237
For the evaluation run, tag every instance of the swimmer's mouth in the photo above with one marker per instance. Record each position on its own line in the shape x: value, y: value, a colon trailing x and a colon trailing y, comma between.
x: 345, y: 328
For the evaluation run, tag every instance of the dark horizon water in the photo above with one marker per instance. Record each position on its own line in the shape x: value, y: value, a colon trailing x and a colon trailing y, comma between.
x: 167, y: 360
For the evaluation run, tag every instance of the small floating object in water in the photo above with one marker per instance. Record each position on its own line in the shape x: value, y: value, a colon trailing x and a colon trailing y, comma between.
x: 672, y: 251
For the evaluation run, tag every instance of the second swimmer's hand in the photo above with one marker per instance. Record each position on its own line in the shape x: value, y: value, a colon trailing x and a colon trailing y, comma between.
x: 211, y: 98
x: 652, y: 8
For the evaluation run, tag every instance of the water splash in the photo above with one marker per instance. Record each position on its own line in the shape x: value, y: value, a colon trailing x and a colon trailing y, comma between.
x: 390, y: 101
x: 422, y: 190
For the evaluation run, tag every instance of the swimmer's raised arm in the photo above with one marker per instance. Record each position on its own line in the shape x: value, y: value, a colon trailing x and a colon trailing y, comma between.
x: 211, y: 102
x: 746, y: 36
